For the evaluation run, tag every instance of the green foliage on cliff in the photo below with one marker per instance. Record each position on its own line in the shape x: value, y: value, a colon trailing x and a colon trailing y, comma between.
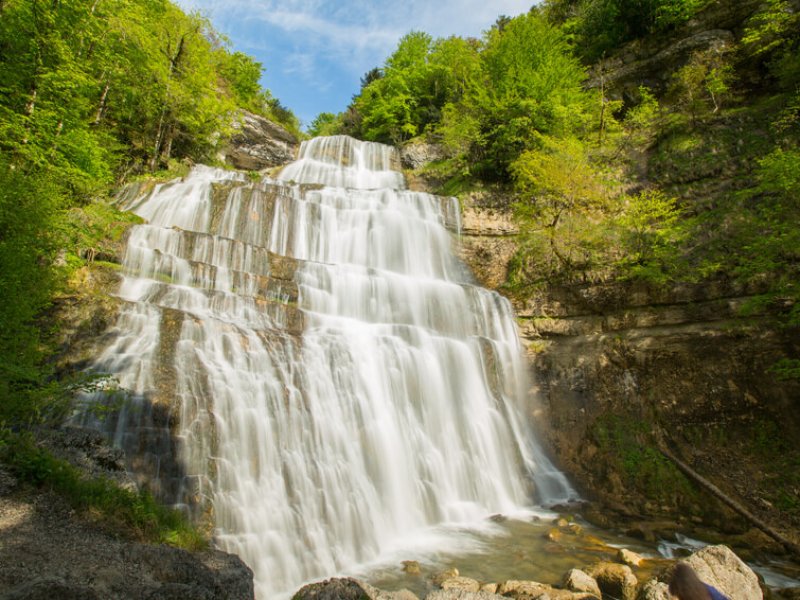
x: 598, y: 27
x: 133, y: 513
x: 485, y: 99
x: 689, y: 181
x: 91, y: 92
x: 631, y: 449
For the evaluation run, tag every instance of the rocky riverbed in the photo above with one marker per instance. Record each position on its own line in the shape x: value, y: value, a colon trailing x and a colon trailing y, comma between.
x: 630, y: 577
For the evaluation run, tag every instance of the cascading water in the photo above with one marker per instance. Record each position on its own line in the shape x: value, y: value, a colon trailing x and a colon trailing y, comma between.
x: 337, y: 382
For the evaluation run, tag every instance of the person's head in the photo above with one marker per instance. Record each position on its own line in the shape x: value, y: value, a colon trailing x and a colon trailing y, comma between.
x: 686, y: 585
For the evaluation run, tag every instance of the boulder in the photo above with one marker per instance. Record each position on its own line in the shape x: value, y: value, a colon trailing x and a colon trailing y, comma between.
x: 515, y: 588
x: 629, y: 558
x: 720, y: 567
x: 654, y: 590
x: 180, y: 574
x: 532, y: 590
x: 332, y: 589
x: 615, y: 580
x: 443, y: 576
x: 259, y: 144
x: 348, y: 589
x: 461, y: 583
x: 411, y: 567
x: 462, y: 595
x: 418, y: 154
x: 578, y: 581
x: 47, y: 588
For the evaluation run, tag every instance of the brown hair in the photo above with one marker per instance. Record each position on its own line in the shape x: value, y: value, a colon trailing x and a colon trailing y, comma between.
x: 686, y: 585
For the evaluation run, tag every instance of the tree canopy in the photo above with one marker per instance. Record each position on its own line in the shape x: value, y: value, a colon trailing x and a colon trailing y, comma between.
x: 90, y: 92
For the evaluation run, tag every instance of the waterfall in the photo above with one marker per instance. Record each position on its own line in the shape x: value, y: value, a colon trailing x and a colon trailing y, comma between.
x: 332, y: 381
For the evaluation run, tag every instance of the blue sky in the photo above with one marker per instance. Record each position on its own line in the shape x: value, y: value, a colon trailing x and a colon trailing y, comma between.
x: 314, y: 52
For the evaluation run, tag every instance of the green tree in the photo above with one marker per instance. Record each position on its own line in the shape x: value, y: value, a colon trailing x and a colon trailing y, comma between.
x: 91, y: 90
x: 703, y: 84
x: 599, y: 26
x: 650, y: 234
x: 324, y: 123
x: 399, y: 104
x: 533, y: 85
x: 564, y: 200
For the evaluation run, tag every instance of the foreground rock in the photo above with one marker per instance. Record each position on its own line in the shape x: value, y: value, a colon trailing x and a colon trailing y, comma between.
x: 524, y: 590
x: 715, y: 565
x: 579, y: 581
x: 615, y: 580
x: 462, y: 595
x: 348, y: 589
x: 720, y: 567
x: 46, y: 552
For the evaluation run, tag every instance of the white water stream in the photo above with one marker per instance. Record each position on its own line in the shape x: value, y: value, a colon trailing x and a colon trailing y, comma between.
x: 389, y: 405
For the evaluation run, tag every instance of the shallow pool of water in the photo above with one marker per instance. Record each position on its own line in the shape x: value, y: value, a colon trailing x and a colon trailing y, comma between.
x: 534, y: 548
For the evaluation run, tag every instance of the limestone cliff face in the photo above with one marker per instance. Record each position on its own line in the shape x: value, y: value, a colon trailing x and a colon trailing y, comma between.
x: 259, y: 144
x: 653, y: 60
x: 615, y: 364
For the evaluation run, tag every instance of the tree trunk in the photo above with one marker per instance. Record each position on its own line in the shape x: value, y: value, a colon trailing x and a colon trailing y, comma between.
x: 725, y: 499
x: 30, y: 107
x: 166, y: 153
x: 158, y: 141
x: 101, y: 106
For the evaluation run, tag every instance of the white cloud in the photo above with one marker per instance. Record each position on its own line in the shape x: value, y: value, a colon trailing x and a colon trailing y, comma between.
x: 315, y: 51
x: 357, y: 33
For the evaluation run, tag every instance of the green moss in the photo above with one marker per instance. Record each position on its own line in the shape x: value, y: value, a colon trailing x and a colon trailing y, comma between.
x: 134, y: 513
x: 632, y: 451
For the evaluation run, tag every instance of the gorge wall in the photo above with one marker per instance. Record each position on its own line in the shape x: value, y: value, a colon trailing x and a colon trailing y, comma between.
x: 619, y: 368
x: 616, y: 364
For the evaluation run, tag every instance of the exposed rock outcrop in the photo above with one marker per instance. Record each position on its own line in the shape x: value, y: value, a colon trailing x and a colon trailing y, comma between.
x: 417, y: 154
x: 487, y: 236
x: 348, y: 589
x: 259, y: 144
x: 611, y: 362
x: 46, y: 552
x: 653, y: 60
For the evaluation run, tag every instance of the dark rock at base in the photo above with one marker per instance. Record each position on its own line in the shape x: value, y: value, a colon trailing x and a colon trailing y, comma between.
x: 333, y: 589
x: 181, y: 591
x: 50, y: 589
x: 181, y: 575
